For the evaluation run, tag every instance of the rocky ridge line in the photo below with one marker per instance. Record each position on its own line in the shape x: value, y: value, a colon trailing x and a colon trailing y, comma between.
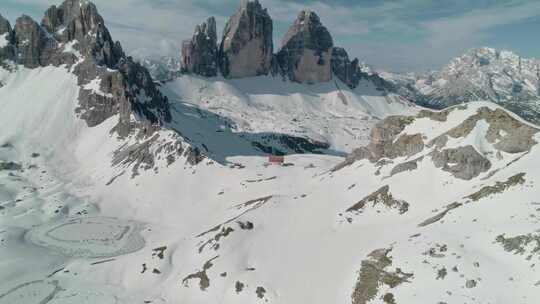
x: 74, y: 35
x: 308, y: 54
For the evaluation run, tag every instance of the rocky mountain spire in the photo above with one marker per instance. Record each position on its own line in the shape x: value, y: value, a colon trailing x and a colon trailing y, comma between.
x: 344, y: 69
x: 247, y: 46
x: 7, y: 49
x: 5, y: 26
x: 306, y: 51
x: 79, y: 20
x: 74, y: 35
x: 246, y: 50
x: 199, y: 55
x: 31, y: 41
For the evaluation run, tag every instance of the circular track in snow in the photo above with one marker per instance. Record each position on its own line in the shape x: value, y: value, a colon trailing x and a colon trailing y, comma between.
x: 36, y: 292
x: 93, y: 237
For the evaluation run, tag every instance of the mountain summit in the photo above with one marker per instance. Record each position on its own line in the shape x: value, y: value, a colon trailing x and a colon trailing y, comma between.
x: 499, y: 76
x: 307, y: 54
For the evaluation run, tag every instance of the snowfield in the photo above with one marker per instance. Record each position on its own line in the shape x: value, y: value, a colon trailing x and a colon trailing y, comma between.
x: 328, y: 112
x: 74, y: 228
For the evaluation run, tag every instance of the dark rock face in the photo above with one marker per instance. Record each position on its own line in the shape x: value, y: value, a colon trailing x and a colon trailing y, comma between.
x: 344, y: 69
x: 7, y: 48
x: 5, y: 27
x: 306, y: 53
x: 463, y: 162
x: 275, y: 144
x: 126, y: 91
x: 380, y: 197
x: 126, y: 87
x: 111, y: 84
x: 79, y: 20
x: 199, y: 55
x: 31, y: 41
x: 247, y: 47
x: 404, y: 167
x: 74, y: 34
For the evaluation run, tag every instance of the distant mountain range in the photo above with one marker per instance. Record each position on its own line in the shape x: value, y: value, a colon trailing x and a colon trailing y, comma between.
x: 502, y: 77
x: 499, y: 76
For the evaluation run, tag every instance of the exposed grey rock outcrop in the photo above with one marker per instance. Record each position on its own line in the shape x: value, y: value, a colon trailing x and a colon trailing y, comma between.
x: 247, y: 46
x: 499, y: 187
x: 306, y: 51
x: 111, y: 84
x: 31, y: 42
x: 463, y: 162
x: 307, y: 55
x: 5, y: 26
x: 380, y: 197
x: 79, y: 21
x: 407, y: 166
x: 130, y: 89
x: 385, y: 144
x: 344, y: 69
x: 7, y: 48
x: 74, y: 34
x: 506, y: 133
x: 199, y: 55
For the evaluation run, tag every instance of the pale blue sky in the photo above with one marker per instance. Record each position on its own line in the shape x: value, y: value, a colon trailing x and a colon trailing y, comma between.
x: 399, y: 35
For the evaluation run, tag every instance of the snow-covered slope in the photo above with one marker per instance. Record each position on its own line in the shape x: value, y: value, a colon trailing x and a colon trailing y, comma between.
x: 499, y: 76
x: 429, y: 207
x: 322, y: 229
x: 328, y: 113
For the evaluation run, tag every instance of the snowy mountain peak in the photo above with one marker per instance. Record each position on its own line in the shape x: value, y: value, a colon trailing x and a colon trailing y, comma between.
x: 73, y: 37
x: 491, y: 60
x: 499, y: 76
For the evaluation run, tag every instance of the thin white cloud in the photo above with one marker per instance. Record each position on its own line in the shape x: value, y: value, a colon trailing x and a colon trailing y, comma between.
x: 472, y: 25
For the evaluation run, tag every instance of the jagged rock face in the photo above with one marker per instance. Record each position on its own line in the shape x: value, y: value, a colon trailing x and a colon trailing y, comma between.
x: 74, y: 34
x: 137, y: 83
x: 463, y: 162
x: 5, y: 27
x: 199, y: 55
x: 385, y: 144
x: 404, y: 167
x: 380, y: 197
x: 7, y: 49
x: 35, y: 47
x: 247, y: 46
x: 344, y: 69
x: 466, y: 150
x: 306, y: 51
x: 125, y: 87
x: 505, y: 132
x: 79, y: 20
x: 31, y: 42
x: 126, y: 91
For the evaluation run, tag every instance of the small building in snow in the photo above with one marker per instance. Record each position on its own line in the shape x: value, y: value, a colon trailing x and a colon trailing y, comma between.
x: 276, y: 159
